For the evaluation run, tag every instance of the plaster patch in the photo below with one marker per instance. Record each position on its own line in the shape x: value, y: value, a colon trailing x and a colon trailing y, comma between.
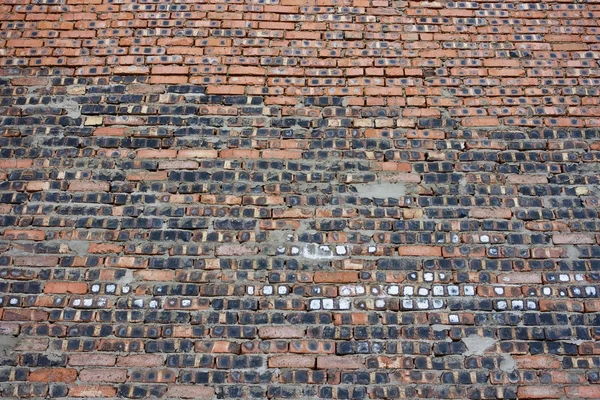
x: 381, y: 190
x: 477, y: 345
x: 316, y: 252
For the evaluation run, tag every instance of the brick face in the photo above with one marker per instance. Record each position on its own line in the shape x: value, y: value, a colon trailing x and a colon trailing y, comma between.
x: 338, y: 199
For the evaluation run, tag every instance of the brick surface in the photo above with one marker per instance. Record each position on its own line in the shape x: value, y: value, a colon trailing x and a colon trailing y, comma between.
x: 300, y: 199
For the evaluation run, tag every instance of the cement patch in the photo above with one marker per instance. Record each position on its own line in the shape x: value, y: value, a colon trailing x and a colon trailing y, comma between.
x: 381, y: 190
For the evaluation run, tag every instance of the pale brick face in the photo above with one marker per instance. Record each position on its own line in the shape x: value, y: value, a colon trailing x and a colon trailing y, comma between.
x: 337, y: 199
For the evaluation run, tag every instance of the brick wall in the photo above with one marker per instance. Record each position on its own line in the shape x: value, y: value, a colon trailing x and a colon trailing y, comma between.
x: 299, y: 199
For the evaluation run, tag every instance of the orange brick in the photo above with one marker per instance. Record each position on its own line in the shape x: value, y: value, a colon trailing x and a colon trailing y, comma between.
x: 492, y: 213
x: 67, y: 375
x: 287, y: 154
x: 239, y: 153
x: 156, y: 153
x: 481, y: 121
x: 420, y: 251
x: 335, y: 277
x: 66, y: 287
x: 225, y: 89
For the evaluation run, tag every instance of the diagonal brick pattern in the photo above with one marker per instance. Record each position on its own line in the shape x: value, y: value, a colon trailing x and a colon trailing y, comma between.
x: 300, y: 199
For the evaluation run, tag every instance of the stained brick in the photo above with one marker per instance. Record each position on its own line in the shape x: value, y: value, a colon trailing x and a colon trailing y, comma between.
x: 191, y: 392
x: 102, y: 375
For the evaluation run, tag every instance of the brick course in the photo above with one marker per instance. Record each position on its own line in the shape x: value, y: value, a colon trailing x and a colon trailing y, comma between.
x: 343, y: 199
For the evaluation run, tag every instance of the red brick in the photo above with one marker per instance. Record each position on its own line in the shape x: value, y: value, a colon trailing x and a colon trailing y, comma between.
x: 126, y: 123
x: 592, y: 305
x: 23, y: 234
x: 66, y: 287
x: 25, y: 43
x: 35, y: 261
x: 238, y: 153
x: 37, y: 186
x: 156, y: 153
x: 104, y: 248
x: 494, y: 62
x: 573, y: 238
x: 24, y: 315
x: 168, y: 79
x: 225, y: 89
x: 147, y: 176
x: 67, y: 375
x: 481, y: 121
x: 126, y: 262
x: 147, y: 275
x: 546, y: 226
x: 537, y: 362
x: 29, y: 81
x: 506, y: 72
x: 170, y: 70
x: 384, y: 91
x: 280, y: 332
x: 15, y: 163
x: 335, y: 277
x: 561, y: 305
x: 491, y: 213
x: 242, y: 70
x: 287, y: 154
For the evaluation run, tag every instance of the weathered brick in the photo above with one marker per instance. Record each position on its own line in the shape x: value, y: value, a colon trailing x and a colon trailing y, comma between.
x: 339, y: 362
x: 292, y: 361
x: 92, y: 391
x: 101, y: 360
x: 335, y: 277
x: 420, y: 251
x: 299, y: 199
x: 103, y: 375
x: 191, y: 392
x: 140, y: 360
x: 280, y: 332
x: 540, y: 392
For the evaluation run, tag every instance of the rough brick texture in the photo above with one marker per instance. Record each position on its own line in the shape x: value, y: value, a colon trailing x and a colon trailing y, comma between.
x: 342, y: 199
